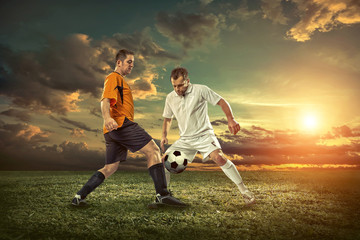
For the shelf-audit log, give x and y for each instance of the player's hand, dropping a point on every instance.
(164, 141)
(233, 126)
(110, 124)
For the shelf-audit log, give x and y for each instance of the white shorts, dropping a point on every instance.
(204, 144)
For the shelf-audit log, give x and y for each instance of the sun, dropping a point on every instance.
(310, 122)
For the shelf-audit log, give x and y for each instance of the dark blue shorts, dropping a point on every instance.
(129, 136)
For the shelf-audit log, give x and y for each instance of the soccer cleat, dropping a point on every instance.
(77, 201)
(167, 200)
(249, 197)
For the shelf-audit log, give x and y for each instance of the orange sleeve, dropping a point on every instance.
(110, 91)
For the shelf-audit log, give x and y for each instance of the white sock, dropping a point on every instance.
(167, 176)
(231, 172)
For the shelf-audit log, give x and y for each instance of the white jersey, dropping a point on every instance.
(191, 110)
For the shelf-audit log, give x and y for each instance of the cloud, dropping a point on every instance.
(96, 111)
(148, 55)
(23, 148)
(190, 30)
(272, 9)
(21, 115)
(256, 128)
(323, 16)
(254, 146)
(24, 134)
(80, 125)
(261, 146)
(343, 131)
(205, 2)
(52, 79)
(242, 12)
(219, 122)
(77, 133)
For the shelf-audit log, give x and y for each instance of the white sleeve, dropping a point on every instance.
(210, 96)
(168, 113)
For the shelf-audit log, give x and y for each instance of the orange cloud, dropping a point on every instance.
(264, 167)
(143, 86)
(78, 133)
(70, 102)
(323, 16)
(30, 132)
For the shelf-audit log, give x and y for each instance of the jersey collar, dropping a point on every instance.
(189, 89)
(119, 74)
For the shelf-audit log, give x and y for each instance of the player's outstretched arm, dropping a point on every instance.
(233, 125)
(109, 122)
(165, 130)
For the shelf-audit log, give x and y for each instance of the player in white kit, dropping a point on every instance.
(188, 104)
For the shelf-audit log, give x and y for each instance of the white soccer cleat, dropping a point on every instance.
(249, 197)
(77, 201)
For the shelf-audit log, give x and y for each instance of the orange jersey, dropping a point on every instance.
(121, 100)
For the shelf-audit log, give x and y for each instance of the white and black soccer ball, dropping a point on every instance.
(176, 161)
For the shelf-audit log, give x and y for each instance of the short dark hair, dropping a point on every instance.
(122, 54)
(179, 72)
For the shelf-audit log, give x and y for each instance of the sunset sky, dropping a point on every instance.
(289, 69)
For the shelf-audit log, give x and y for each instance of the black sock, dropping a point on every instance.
(157, 173)
(91, 184)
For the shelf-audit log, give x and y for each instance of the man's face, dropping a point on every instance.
(127, 65)
(180, 85)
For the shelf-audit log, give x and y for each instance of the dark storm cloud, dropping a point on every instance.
(76, 124)
(190, 30)
(141, 43)
(96, 111)
(46, 80)
(261, 129)
(21, 115)
(51, 79)
(278, 147)
(325, 159)
(55, 119)
(80, 125)
(22, 134)
(148, 56)
(144, 45)
(219, 122)
(22, 148)
(272, 9)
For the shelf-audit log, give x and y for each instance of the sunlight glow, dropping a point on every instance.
(310, 122)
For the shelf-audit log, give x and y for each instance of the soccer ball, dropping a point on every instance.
(175, 161)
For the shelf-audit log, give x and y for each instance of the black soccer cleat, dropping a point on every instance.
(77, 201)
(167, 200)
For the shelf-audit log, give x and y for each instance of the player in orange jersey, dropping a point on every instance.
(121, 134)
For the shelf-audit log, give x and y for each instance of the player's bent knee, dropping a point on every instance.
(219, 159)
(151, 148)
(109, 169)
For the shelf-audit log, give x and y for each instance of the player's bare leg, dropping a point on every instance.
(231, 172)
(152, 153)
(157, 173)
(109, 169)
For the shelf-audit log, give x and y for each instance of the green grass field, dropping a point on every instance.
(290, 205)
